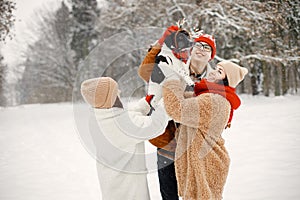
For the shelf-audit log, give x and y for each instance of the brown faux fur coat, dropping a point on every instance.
(201, 160)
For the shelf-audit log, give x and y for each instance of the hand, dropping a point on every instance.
(185, 76)
(180, 71)
(154, 90)
(141, 106)
(170, 29)
(172, 72)
(168, 69)
(172, 67)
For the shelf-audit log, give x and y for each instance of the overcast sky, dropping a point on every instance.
(23, 14)
(12, 49)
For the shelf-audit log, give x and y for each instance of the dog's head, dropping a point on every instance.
(179, 40)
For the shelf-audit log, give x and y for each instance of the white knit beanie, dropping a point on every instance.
(100, 92)
(235, 73)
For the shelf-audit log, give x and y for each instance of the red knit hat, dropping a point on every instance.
(210, 40)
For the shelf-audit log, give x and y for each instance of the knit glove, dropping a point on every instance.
(185, 76)
(175, 73)
(155, 91)
(167, 32)
(161, 73)
(169, 70)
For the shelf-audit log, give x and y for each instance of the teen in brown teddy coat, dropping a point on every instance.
(201, 159)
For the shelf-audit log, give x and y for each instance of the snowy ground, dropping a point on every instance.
(42, 158)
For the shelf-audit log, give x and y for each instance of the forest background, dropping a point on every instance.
(79, 39)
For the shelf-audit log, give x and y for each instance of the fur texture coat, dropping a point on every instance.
(201, 159)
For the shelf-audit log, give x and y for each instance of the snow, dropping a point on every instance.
(42, 156)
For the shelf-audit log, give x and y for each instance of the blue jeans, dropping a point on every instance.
(167, 178)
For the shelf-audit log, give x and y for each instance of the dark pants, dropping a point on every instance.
(167, 178)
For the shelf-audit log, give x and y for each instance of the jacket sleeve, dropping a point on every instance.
(145, 69)
(137, 125)
(193, 112)
(165, 138)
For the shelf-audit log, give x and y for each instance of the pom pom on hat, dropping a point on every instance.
(100, 92)
(235, 73)
(210, 40)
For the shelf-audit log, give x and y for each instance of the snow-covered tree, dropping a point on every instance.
(257, 34)
(2, 81)
(260, 35)
(84, 13)
(49, 68)
(7, 18)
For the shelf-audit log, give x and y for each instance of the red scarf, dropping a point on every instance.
(226, 91)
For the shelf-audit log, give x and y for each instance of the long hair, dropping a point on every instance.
(223, 82)
(118, 103)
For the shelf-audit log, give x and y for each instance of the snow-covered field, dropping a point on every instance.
(42, 158)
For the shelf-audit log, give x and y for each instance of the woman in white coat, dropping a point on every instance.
(119, 137)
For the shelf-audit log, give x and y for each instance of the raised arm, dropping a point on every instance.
(145, 69)
(195, 112)
(136, 124)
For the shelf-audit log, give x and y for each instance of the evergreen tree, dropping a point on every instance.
(84, 14)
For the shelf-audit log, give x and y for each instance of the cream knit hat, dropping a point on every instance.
(100, 92)
(235, 73)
